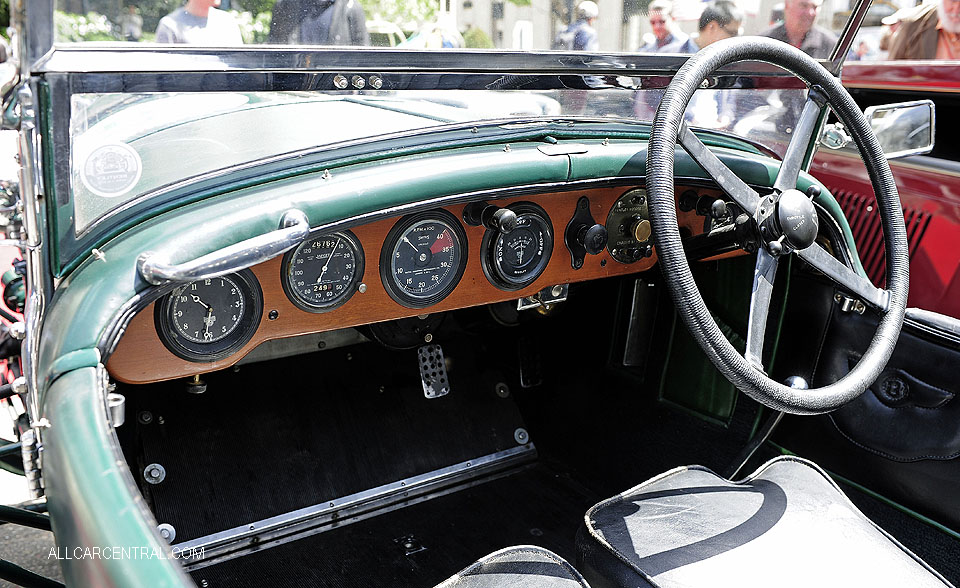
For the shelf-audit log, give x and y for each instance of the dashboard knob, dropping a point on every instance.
(641, 230)
(593, 239)
(499, 219)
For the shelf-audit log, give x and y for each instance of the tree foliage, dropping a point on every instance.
(409, 15)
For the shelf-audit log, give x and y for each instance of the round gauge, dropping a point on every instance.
(628, 225)
(514, 260)
(423, 258)
(323, 272)
(209, 319)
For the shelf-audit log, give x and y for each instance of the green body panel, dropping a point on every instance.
(92, 497)
(74, 360)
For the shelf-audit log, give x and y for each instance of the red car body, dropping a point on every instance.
(929, 186)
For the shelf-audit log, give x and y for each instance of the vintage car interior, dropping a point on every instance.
(451, 352)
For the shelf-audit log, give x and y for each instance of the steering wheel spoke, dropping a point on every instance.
(819, 258)
(797, 149)
(763, 276)
(729, 182)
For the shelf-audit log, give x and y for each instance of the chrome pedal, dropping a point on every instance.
(433, 371)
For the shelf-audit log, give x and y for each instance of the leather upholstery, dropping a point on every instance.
(516, 567)
(788, 524)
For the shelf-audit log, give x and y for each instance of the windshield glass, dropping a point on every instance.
(649, 26)
(126, 146)
(130, 146)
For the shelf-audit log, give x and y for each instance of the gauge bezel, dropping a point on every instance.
(392, 242)
(492, 270)
(294, 296)
(216, 350)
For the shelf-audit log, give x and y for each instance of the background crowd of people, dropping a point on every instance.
(926, 31)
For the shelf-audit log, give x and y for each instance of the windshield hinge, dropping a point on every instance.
(11, 116)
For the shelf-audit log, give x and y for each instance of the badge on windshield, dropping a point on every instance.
(111, 170)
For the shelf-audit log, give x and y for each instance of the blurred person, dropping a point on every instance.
(889, 25)
(666, 38)
(799, 29)
(319, 22)
(580, 36)
(131, 24)
(719, 20)
(200, 22)
(929, 31)
(861, 53)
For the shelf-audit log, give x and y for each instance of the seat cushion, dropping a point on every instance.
(523, 565)
(788, 524)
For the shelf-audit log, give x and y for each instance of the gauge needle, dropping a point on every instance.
(520, 253)
(200, 302)
(207, 322)
(407, 241)
(323, 270)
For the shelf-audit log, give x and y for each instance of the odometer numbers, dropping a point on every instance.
(514, 260)
(423, 258)
(323, 272)
(211, 318)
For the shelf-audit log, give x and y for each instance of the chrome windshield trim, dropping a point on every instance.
(118, 61)
(37, 275)
(850, 29)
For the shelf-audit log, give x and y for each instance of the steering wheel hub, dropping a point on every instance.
(797, 219)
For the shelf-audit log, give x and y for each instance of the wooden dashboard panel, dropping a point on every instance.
(140, 356)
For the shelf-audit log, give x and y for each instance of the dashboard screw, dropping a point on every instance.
(273, 315)
(521, 436)
(167, 532)
(362, 288)
(145, 417)
(502, 390)
(428, 337)
(154, 473)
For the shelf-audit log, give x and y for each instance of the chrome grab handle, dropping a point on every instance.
(294, 228)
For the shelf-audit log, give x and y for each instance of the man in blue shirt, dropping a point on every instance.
(580, 36)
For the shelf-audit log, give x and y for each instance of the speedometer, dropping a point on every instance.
(423, 258)
(323, 272)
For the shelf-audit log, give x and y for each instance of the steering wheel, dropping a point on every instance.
(785, 222)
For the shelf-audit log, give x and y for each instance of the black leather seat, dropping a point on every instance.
(788, 524)
(523, 565)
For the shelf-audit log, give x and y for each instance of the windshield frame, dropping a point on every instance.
(58, 71)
